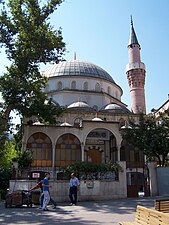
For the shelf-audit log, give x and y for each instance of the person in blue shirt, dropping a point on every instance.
(45, 187)
(74, 186)
(39, 185)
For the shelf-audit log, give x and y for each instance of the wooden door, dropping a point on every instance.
(94, 155)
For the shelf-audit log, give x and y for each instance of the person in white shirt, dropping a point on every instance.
(74, 186)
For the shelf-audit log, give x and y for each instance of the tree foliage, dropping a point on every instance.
(25, 159)
(5, 176)
(150, 136)
(29, 40)
(7, 153)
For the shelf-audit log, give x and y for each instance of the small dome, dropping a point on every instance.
(65, 124)
(77, 68)
(38, 123)
(97, 119)
(78, 105)
(116, 108)
(52, 101)
(112, 106)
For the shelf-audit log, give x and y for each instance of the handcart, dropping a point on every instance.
(18, 198)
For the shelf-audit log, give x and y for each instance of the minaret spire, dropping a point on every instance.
(131, 20)
(133, 37)
(135, 71)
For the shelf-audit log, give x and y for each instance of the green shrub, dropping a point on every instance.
(89, 170)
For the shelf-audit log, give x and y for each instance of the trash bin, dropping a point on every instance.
(35, 197)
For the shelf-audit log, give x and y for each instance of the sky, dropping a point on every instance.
(98, 31)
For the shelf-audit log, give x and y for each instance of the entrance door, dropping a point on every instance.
(135, 184)
(94, 155)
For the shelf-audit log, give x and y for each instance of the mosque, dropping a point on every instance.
(90, 128)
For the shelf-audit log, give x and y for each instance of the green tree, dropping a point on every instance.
(7, 154)
(151, 137)
(29, 40)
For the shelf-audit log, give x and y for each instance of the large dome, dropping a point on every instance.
(77, 68)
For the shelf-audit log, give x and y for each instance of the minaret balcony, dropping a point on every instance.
(132, 66)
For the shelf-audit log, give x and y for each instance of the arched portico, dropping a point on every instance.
(100, 146)
(41, 146)
(67, 150)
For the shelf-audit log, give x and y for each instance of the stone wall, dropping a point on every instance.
(89, 189)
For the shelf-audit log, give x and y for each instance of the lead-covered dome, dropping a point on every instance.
(77, 68)
(115, 108)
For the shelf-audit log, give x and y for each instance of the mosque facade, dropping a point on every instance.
(90, 127)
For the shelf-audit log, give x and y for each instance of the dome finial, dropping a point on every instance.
(131, 20)
(74, 55)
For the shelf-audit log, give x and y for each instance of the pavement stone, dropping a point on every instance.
(89, 212)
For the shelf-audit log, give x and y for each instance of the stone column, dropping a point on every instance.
(122, 179)
(118, 152)
(82, 151)
(152, 166)
(53, 162)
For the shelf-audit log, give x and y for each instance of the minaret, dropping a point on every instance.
(135, 71)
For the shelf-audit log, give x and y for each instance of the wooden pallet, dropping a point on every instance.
(161, 204)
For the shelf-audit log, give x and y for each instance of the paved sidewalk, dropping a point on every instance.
(93, 213)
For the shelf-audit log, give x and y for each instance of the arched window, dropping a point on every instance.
(95, 107)
(109, 90)
(59, 85)
(68, 150)
(85, 86)
(41, 146)
(97, 87)
(73, 85)
(121, 122)
(78, 122)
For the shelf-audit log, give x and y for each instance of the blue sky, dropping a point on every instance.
(98, 31)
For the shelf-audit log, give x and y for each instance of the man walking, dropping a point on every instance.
(39, 185)
(74, 187)
(45, 186)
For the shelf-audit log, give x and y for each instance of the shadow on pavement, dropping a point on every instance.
(84, 213)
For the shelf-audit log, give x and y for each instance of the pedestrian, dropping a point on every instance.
(45, 186)
(39, 185)
(74, 186)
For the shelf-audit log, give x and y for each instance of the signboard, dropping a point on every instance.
(99, 134)
(35, 175)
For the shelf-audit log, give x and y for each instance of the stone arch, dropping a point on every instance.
(68, 150)
(41, 146)
(101, 146)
